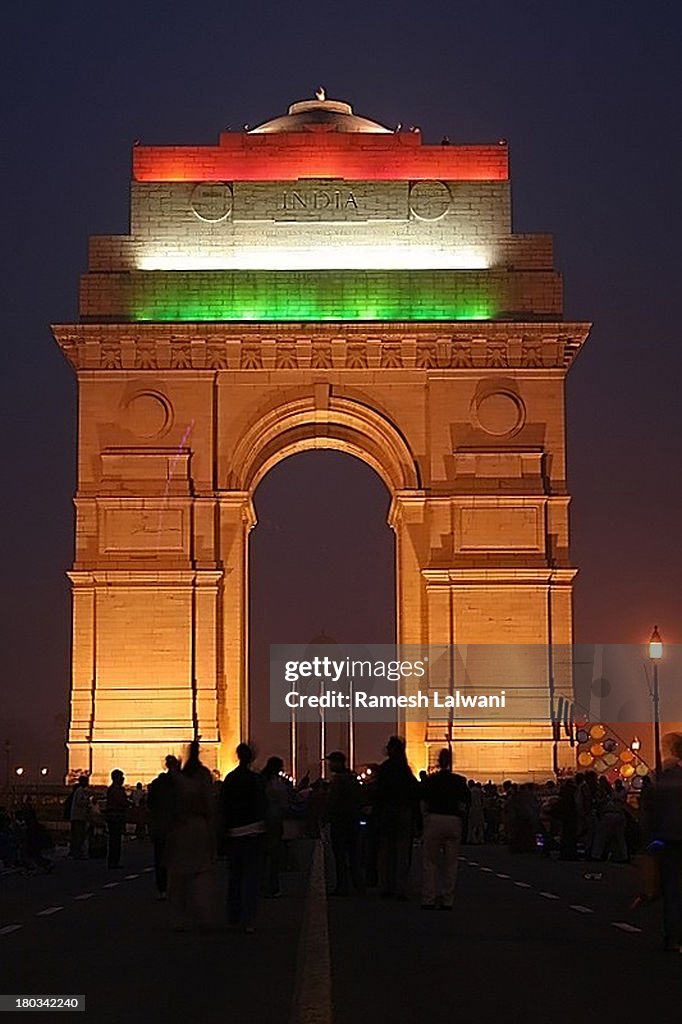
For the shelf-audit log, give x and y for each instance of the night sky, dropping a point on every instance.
(587, 93)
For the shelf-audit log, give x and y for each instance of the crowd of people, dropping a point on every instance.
(370, 825)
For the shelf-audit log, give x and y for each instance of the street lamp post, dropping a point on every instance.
(655, 655)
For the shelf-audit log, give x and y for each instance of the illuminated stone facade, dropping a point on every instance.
(319, 282)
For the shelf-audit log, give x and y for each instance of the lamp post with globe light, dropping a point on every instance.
(655, 655)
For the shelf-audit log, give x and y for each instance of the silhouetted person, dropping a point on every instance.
(78, 816)
(243, 805)
(474, 819)
(8, 846)
(342, 811)
(191, 848)
(523, 818)
(115, 813)
(662, 805)
(35, 839)
(397, 811)
(161, 804)
(138, 801)
(610, 830)
(565, 812)
(445, 798)
(277, 807)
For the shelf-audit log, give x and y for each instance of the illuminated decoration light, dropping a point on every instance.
(298, 295)
(321, 257)
(323, 295)
(292, 155)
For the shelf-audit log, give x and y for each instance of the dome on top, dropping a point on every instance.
(320, 114)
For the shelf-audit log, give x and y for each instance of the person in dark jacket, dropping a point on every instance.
(277, 801)
(445, 801)
(662, 806)
(244, 809)
(161, 804)
(396, 809)
(342, 811)
(115, 813)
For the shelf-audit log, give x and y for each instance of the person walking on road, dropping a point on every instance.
(445, 801)
(191, 847)
(115, 813)
(244, 809)
(161, 806)
(662, 805)
(277, 807)
(342, 812)
(78, 815)
(397, 813)
(475, 819)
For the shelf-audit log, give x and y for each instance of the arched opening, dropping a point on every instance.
(322, 560)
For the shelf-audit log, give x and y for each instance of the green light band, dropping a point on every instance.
(268, 295)
(318, 295)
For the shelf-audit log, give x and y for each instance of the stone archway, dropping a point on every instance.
(285, 289)
(281, 427)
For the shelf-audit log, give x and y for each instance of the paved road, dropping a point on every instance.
(529, 941)
(103, 933)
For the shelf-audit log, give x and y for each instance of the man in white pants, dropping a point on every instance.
(445, 799)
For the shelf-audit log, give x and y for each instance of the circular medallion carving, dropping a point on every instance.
(212, 201)
(500, 413)
(148, 414)
(430, 200)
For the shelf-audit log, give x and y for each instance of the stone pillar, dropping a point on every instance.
(236, 519)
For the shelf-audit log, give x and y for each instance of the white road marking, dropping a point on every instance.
(146, 870)
(625, 927)
(10, 928)
(111, 885)
(132, 876)
(501, 874)
(487, 870)
(523, 885)
(548, 895)
(84, 896)
(581, 909)
(48, 911)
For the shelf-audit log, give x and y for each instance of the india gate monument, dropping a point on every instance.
(319, 281)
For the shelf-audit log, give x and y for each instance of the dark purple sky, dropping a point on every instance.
(588, 96)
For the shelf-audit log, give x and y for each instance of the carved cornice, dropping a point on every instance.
(334, 346)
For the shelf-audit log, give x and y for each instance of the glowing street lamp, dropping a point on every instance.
(19, 771)
(44, 771)
(655, 655)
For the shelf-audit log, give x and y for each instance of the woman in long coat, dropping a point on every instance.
(192, 847)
